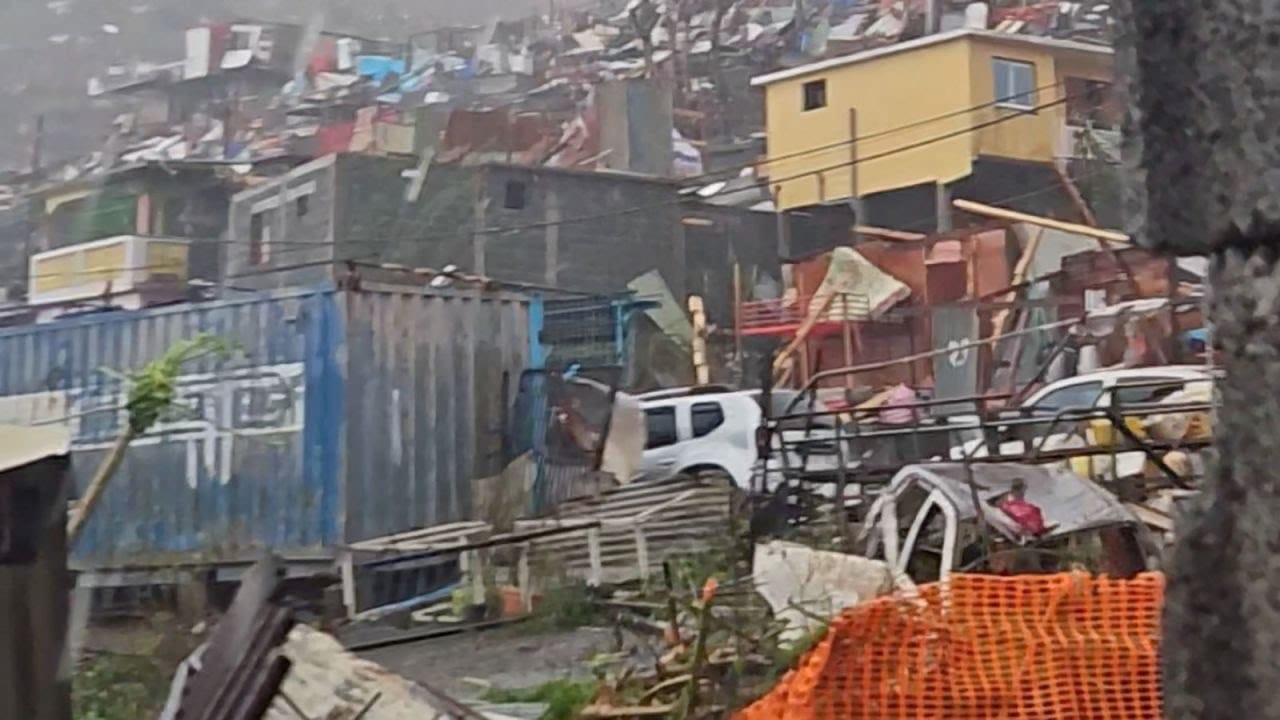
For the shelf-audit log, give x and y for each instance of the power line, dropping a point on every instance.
(923, 222)
(495, 230)
(872, 136)
(361, 260)
(757, 185)
(914, 146)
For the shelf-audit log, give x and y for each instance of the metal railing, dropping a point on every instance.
(771, 316)
(850, 447)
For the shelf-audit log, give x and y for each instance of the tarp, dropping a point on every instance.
(624, 446)
(377, 67)
(803, 585)
(22, 445)
(862, 290)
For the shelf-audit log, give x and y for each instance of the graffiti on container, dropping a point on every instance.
(210, 414)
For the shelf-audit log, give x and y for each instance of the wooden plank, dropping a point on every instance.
(1073, 192)
(697, 312)
(606, 711)
(450, 531)
(737, 313)
(593, 549)
(887, 234)
(1001, 318)
(1015, 216)
(802, 335)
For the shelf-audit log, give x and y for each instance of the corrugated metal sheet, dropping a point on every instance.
(676, 518)
(428, 378)
(238, 469)
(955, 374)
(344, 415)
(326, 681)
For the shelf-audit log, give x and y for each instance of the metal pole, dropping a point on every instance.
(780, 220)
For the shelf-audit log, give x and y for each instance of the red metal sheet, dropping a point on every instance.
(990, 262)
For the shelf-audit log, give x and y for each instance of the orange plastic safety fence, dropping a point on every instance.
(980, 647)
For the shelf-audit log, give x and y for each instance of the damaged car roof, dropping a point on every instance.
(1069, 502)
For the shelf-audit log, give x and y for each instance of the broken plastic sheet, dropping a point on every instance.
(1178, 426)
(624, 446)
(377, 67)
(806, 587)
(1104, 321)
(871, 291)
(669, 315)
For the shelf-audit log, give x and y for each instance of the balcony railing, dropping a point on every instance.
(787, 315)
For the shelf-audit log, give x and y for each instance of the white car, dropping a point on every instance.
(712, 430)
(1101, 389)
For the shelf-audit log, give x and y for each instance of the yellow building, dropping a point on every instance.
(923, 112)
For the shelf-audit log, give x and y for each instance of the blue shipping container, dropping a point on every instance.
(344, 415)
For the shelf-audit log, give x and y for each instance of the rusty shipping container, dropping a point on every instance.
(343, 415)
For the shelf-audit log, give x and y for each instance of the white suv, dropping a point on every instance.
(692, 431)
(712, 430)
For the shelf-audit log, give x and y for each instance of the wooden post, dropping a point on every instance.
(346, 561)
(593, 554)
(737, 317)
(1001, 318)
(847, 328)
(780, 362)
(802, 360)
(478, 237)
(642, 551)
(702, 374)
(522, 577)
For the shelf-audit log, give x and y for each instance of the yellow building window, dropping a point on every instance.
(815, 95)
(1015, 83)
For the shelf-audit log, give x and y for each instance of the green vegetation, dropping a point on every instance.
(566, 607)
(118, 687)
(565, 698)
(786, 656)
(152, 392)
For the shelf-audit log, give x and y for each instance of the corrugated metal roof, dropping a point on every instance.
(22, 445)
(926, 41)
(675, 517)
(326, 681)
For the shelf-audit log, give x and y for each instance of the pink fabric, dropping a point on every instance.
(900, 395)
(1028, 516)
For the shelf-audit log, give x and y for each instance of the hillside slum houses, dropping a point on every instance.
(483, 285)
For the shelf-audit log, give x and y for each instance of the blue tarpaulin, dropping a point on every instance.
(378, 67)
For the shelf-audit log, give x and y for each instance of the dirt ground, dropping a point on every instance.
(509, 657)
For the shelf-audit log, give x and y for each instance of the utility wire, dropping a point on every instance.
(924, 222)
(363, 260)
(871, 136)
(759, 183)
(764, 183)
